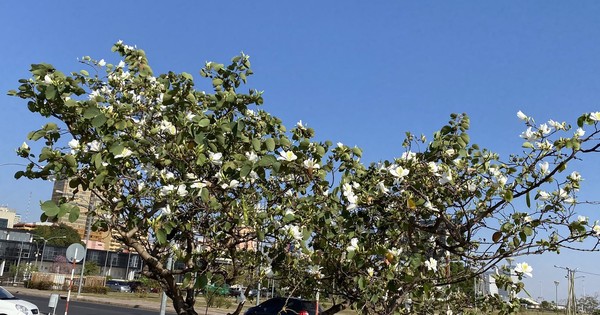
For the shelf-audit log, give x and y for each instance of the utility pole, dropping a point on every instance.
(571, 299)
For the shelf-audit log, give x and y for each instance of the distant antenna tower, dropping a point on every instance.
(27, 209)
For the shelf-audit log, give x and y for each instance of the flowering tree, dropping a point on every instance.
(228, 191)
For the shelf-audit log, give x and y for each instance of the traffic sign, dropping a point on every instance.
(75, 252)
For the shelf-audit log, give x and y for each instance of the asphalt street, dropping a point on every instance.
(84, 308)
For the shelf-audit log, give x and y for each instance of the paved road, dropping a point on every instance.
(84, 308)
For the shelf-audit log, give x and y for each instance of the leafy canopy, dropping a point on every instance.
(230, 192)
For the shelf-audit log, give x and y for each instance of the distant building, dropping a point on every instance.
(101, 240)
(8, 217)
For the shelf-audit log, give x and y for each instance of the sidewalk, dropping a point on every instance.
(132, 303)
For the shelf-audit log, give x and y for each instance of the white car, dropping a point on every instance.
(11, 305)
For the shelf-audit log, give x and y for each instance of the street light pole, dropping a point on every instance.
(556, 294)
(44, 247)
(87, 239)
(19, 260)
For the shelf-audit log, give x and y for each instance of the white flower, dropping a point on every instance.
(167, 126)
(311, 164)
(429, 206)
(47, 79)
(582, 219)
(370, 271)
(595, 116)
(165, 190)
(528, 219)
(529, 135)
(289, 211)
(596, 229)
(522, 116)
(94, 146)
(121, 64)
(542, 195)
(251, 156)
(198, 185)
(24, 146)
(300, 125)
(431, 264)
(287, 156)
(432, 167)
(125, 153)
(166, 210)
(215, 158)
(446, 177)
(167, 175)
(546, 145)
(74, 144)
(398, 171)
(293, 231)
(340, 145)
(102, 63)
(191, 176)
(524, 268)
(579, 132)
(381, 187)
(408, 156)
(543, 167)
(562, 194)
(352, 198)
(268, 271)
(545, 129)
(232, 184)
(315, 271)
(575, 176)
(353, 245)
(182, 190)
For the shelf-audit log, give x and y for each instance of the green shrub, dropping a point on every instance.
(95, 289)
(40, 285)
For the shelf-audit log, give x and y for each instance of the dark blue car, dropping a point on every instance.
(284, 306)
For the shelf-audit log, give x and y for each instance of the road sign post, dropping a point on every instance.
(75, 253)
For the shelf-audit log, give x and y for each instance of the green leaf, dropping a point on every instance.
(117, 149)
(508, 195)
(528, 200)
(267, 160)
(91, 112)
(99, 120)
(246, 169)
(85, 73)
(204, 194)
(204, 122)
(361, 283)
(187, 76)
(70, 159)
(256, 144)
(50, 92)
(270, 144)
(74, 212)
(50, 208)
(161, 236)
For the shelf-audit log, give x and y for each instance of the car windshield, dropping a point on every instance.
(5, 295)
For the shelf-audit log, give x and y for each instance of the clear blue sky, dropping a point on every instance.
(359, 72)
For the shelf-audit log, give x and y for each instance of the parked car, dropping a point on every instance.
(11, 305)
(118, 286)
(284, 306)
